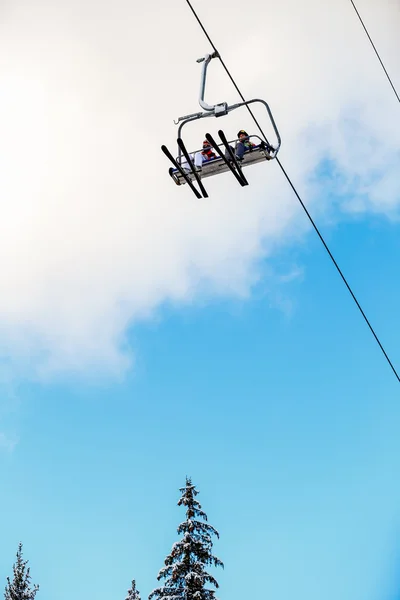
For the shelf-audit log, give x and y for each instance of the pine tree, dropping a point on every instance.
(133, 593)
(184, 571)
(20, 587)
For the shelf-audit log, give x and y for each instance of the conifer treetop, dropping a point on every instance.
(185, 567)
(133, 593)
(20, 587)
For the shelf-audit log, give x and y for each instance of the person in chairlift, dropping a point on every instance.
(201, 157)
(242, 145)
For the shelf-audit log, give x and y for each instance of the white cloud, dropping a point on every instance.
(94, 236)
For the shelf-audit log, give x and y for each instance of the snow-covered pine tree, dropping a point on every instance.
(185, 567)
(133, 593)
(20, 587)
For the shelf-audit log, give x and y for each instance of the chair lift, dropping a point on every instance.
(184, 169)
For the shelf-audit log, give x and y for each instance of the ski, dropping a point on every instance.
(181, 171)
(227, 162)
(192, 167)
(232, 155)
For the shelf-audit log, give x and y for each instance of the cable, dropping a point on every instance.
(376, 51)
(298, 196)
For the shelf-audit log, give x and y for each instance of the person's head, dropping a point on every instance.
(206, 145)
(242, 134)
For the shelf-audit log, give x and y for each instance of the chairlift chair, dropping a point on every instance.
(184, 171)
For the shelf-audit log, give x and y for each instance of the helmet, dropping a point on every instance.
(206, 144)
(242, 132)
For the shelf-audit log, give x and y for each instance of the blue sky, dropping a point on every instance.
(288, 425)
(146, 336)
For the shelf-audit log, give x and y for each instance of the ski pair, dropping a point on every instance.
(232, 162)
(184, 174)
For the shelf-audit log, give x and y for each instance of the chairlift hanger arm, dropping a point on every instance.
(222, 108)
(217, 109)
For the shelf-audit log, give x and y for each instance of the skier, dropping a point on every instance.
(201, 157)
(242, 145)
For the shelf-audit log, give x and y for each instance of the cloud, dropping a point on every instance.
(94, 236)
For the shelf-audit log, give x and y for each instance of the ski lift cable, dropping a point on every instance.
(298, 197)
(376, 51)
